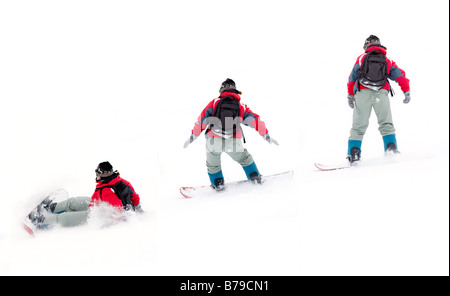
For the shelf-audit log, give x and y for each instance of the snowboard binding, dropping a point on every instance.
(37, 215)
(218, 184)
(355, 156)
(391, 149)
(256, 178)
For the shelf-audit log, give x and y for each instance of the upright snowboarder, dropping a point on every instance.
(368, 87)
(111, 190)
(222, 118)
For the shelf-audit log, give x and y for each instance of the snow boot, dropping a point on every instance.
(391, 148)
(217, 180)
(252, 173)
(218, 184)
(355, 156)
(390, 144)
(255, 178)
(37, 220)
(37, 215)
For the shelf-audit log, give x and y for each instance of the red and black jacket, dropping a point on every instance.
(116, 192)
(247, 117)
(394, 72)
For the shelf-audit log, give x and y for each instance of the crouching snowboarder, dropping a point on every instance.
(368, 87)
(222, 118)
(114, 190)
(111, 190)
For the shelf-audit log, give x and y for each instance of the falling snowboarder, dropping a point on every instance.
(222, 119)
(57, 209)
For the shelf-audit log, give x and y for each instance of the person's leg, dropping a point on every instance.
(382, 108)
(361, 116)
(213, 162)
(74, 204)
(235, 149)
(71, 212)
(66, 219)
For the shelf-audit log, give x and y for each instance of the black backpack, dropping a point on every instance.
(123, 192)
(373, 73)
(226, 117)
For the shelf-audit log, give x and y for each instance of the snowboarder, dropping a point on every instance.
(368, 87)
(114, 190)
(111, 189)
(222, 118)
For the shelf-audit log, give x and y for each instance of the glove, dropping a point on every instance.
(351, 101)
(138, 208)
(190, 140)
(407, 97)
(270, 140)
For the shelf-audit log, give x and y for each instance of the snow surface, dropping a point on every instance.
(87, 81)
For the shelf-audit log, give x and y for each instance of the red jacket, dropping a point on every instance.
(394, 72)
(104, 192)
(248, 118)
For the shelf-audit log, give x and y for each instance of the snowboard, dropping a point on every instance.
(207, 190)
(389, 157)
(57, 195)
(324, 167)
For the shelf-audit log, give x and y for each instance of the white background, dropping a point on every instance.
(82, 82)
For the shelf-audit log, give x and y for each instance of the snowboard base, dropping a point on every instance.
(324, 167)
(28, 229)
(190, 192)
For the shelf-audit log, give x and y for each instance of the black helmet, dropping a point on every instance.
(371, 40)
(227, 85)
(103, 170)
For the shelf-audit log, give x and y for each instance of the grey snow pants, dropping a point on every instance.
(233, 147)
(71, 212)
(365, 100)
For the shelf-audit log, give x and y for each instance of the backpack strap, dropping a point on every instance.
(391, 90)
(122, 191)
(242, 132)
